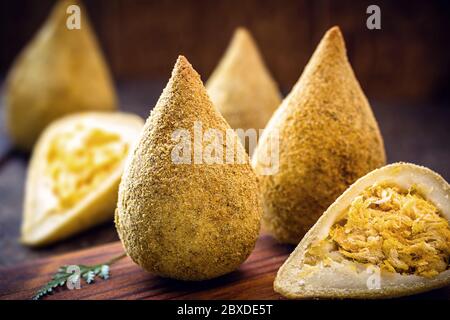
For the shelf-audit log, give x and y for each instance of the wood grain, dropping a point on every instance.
(20, 279)
(412, 133)
(253, 280)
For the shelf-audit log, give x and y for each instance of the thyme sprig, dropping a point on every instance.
(64, 276)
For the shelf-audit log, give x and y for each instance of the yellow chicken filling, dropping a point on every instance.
(397, 230)
(79, 159)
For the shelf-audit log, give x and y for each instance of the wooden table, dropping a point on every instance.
(416, 133)
(253, 280)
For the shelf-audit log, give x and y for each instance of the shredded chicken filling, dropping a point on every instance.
(396, 230)
(79, 159)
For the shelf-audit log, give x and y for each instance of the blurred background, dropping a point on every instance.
(403, 69)
(407, 60)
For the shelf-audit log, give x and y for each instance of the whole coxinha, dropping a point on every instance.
(386, 230)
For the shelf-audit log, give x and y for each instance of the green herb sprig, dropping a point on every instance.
(88, 273)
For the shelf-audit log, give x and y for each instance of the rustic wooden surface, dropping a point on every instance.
(413, 133)
(253, 280)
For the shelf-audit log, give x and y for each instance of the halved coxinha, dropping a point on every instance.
(387, 235)
(74, 174)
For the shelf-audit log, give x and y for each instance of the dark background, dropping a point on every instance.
(408, 60)
(403, 69)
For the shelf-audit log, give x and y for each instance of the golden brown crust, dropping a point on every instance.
(288, 276)
(328, 139)
(341, 294)
(241, 86)
(185, 221)
(61, 71)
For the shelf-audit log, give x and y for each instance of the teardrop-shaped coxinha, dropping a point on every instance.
(59, 72)
(179, 220)
(387, 235)
(328, 138)
(241, 86)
